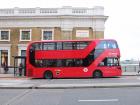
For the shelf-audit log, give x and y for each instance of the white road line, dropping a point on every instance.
(104, 100)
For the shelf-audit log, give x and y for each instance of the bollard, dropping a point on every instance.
(125, 68)
(135, 68)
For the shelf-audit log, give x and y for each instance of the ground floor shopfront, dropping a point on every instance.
(6, 53)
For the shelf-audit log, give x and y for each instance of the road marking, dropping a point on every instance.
(17, 98)
(104, 100)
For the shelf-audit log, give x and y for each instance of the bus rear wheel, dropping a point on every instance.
(48, 75)
(97, 74)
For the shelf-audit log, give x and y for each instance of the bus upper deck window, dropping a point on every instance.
(102, 45)
(112, 44)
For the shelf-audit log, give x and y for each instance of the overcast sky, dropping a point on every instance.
(123, 23)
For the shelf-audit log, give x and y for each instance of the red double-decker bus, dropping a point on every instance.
(73, 59)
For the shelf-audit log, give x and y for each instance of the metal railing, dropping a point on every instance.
(12, 70)
(130, 68)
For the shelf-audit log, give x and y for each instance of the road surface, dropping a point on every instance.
(87, 96)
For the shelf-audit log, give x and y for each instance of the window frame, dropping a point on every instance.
(21, 30)
(42, 36)
(8, 34)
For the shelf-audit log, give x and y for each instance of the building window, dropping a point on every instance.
(82, 33)
(25, 35)
(4, 35)
(47, 34)
(4, 57)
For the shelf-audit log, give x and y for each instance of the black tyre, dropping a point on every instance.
(97, 74)
(48, 75)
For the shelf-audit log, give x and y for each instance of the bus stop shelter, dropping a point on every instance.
(17, 61)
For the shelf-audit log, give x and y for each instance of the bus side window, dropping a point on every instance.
(112, 61)
(59, 45)
(109, 62)
(49, 46)
(101, 64)
(37, 46)
(116, 61)
(82, 45)
(67, 45)
(74, 45)
(78, 62)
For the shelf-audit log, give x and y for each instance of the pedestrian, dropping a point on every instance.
(5, 67)
(20, 69)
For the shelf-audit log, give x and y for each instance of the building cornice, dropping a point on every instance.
(66, 17)
(66, 11)
(52, 17)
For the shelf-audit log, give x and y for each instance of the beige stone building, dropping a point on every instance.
(19, 26)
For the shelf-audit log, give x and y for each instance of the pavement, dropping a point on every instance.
(9, 81)
(130, 74)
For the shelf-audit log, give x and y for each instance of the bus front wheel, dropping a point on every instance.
(48, 75)
(97, 74)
